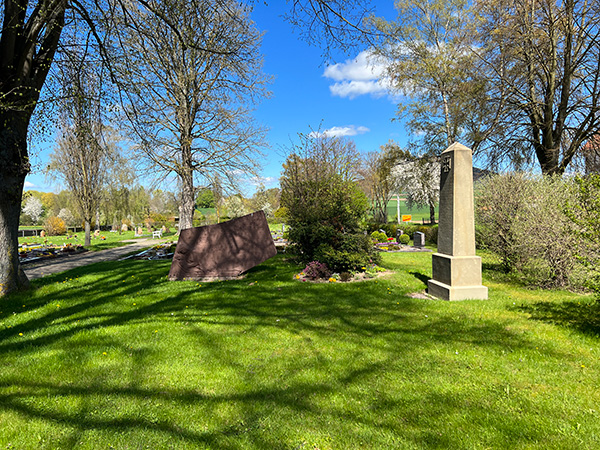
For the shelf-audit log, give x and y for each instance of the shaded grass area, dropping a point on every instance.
(114, 355)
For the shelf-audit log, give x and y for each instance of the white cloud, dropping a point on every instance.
(351, 130)
(353, 89)
(364, 67)
(265, 181)
(29, 185)
(363, 75)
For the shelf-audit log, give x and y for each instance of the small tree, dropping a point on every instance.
(324, 203)
(205, 199)
(67, 216)
(33, 208)
(420, 178)
(234, 206)
(379, 180)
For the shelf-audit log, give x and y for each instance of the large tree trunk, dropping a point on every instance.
(15, 166)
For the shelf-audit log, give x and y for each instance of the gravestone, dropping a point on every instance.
(222, 251)
(456, 269)
(419, 239)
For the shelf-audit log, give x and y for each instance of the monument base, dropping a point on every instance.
(457, 278)
(446, 292)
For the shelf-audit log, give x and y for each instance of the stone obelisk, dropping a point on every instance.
(456, 269)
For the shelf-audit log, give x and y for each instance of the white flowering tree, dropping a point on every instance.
(420, 178)
(33, 208)
(234, 206)
(66, 215)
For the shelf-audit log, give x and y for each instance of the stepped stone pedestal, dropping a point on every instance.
(456, 269)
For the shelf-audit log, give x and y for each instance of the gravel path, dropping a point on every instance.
(52, 266)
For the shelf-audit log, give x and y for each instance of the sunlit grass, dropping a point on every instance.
(105, 241)
(114, 355)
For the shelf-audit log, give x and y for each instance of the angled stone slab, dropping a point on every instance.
(224, 250)
(456, 268)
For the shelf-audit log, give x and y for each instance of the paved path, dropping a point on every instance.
(52, 266)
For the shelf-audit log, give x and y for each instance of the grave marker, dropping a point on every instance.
(456, 269)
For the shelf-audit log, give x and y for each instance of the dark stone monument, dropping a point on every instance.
(418, 239)
(222, 251)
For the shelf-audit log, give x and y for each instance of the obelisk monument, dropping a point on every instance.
(456, 269)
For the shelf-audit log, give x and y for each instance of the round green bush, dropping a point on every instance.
(378, 236)
(404, 239)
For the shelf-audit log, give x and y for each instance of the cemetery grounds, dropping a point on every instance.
(113, 355)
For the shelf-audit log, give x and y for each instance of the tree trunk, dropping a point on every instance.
(186, 209)
(432, 213)
(15, 166)
(88, 234)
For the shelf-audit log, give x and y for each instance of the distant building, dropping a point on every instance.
(591, 153)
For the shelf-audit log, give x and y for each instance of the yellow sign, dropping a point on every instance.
(406, 218)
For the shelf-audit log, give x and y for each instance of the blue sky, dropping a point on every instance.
(342, 97)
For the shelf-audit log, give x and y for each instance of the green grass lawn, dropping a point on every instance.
(418, 214)
(115, 356)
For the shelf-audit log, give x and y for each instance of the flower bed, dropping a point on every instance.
(317, 272)
(35, 252)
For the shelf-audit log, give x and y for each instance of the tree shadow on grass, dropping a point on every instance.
(581, 316)
(307, 323)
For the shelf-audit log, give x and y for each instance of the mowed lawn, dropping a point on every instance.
(115, 356)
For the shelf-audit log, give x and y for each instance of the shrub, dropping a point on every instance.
(324, 205)
(432, 234)
(315, 270)
(378, 236)
(408, 228)
(281, 214)
(55, 226)
(350, 253)
(404, 239)
(345, 276)
(522, 219)
(583, 209)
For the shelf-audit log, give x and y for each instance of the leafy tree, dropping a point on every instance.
(190, 102)
(205, 199)
(33, 208)
(234, 205)
(420, 178)
(67, 216)
(379, 180)
(324, 204)
(266, 200)
(80, 158)
(427, 50)
(544, 57)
